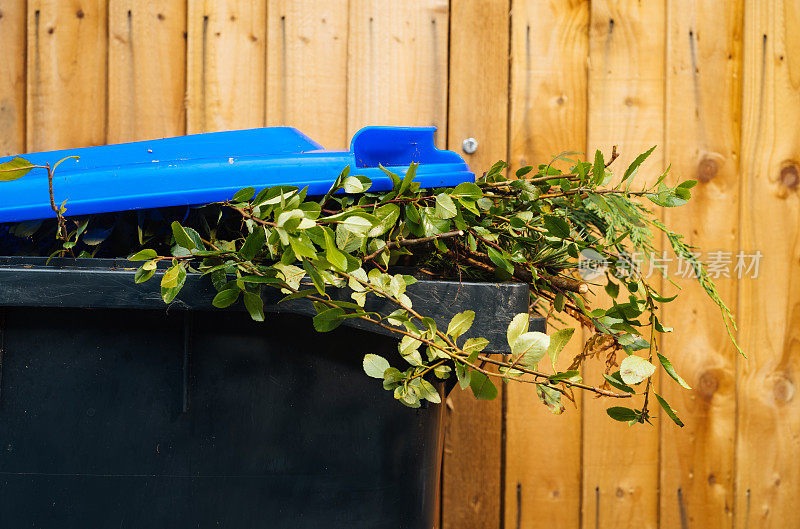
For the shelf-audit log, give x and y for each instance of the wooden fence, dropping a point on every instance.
(716, 84)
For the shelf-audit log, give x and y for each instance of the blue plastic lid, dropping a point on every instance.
(211, 167)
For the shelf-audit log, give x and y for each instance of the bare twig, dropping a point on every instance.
(412, 242)
(62, 225)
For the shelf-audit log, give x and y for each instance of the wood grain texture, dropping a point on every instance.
(768, 443)
(478, 91)
(625, 108)
(478, 80)
(226, 86)
(548, 115)
(66, 84)
(397, 68)
(702, 142)
(307, 68)
(549, 48)
(12, 77)
(146, 69)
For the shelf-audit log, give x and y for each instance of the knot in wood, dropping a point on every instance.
(708, 384)
(790, 176)
(707, 170)
(783, 390)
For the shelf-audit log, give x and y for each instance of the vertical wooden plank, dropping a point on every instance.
(549, 47)
(397, 68)
(478, 89)
(226, 85)
(66, 88)
(549, 44)
(702, 140)
(478, 84)
(768, 442)
(12, 77)
(146, 69)
(626, 108)
(307, 68)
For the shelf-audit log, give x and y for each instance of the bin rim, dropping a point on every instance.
(95, 283)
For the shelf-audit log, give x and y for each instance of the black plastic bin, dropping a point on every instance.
(116, 411)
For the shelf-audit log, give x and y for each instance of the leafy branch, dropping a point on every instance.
(537, 228)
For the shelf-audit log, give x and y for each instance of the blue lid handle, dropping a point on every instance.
(398, 146)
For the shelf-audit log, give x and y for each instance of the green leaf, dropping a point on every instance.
(482, 387)
(522, 171)
(556, 226)
(467, 190)
(634, 369)
(143, 255)
(170, 291)
(566, 375)
(226, 298)
(599, 168)
(346, 240)
(375, 366)
(550, 397)
(558, 340)
(302, 246)
(431, 224)
(408, 345)
(530, 347)
(328, 319)
(622, 414)
(428, 392)
(559, 301)
(62, 160)
(392, 377)
(445, 207)
(254, 242)
(518, 326)
(407, 396)
(669, 410)
(244, 195)
(254, 305)
(306, 292)
(670, 369)
(291, 274)
(501, 261)
(387, 217)
(442, 371)
(337, 184)
(612, 289)
(356, 184)
(15, 168)
(333, 255)
(358, 224)
(182, 238)
(617, 382)
(170, 277)
(460, 323)
(143, 274)
(475, 345)
(316, 277)
(463, 374)
(408, 178)
(634, 166)
(260, 279)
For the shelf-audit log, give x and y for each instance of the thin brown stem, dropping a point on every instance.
(412, 242)
(62, 224)
(250, 216)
